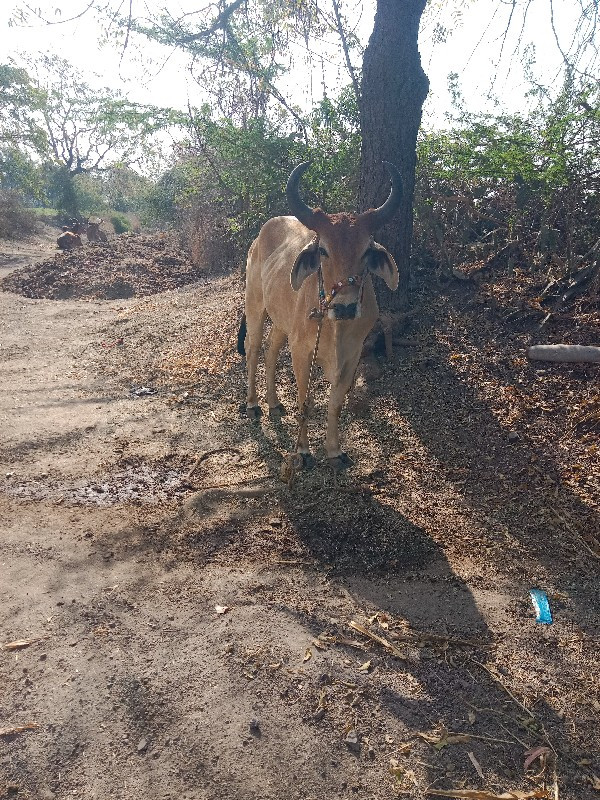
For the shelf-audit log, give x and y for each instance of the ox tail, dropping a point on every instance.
(241, 339)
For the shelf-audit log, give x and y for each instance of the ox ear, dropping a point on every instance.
(306, 263)
(382, 263)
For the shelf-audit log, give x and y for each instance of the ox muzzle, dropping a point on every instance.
(343, 311)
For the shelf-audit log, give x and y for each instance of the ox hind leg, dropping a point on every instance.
(252, 345)
(275, 341)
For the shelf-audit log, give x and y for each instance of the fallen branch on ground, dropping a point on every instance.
(564, 353)
(379, 639)
(208, 454)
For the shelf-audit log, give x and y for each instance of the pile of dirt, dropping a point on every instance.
(130, 265)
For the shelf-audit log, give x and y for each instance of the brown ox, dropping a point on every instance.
(68, 240)
(94, 233)
(306, 266)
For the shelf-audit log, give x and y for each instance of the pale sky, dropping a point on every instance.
(471, 50)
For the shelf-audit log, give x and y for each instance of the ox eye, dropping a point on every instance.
(323, 252)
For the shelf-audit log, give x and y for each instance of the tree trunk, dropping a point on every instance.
(394, 88)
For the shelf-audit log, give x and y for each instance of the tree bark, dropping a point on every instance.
(394, 88)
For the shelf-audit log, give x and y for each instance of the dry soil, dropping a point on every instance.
(178, 623)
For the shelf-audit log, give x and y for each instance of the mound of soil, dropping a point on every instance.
(130, 265)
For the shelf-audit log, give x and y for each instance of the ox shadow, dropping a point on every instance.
(391, 565)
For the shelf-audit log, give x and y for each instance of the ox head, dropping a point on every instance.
(343, 246)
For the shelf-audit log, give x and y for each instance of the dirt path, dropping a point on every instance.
(190, 621)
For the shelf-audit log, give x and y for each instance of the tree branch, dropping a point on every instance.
(345, 48)
(219, 22)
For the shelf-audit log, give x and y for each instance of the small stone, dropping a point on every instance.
(513, 436)
(352, 741)
(142, 745)
(275, 522)
(255, 727)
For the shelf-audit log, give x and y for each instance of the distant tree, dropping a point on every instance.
(50, 112)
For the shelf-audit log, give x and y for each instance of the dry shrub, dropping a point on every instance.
(16, 222)
(210, 241)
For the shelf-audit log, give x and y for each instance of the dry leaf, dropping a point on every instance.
(535, 752)
(319, 644)
(365, 667)
(18, 645)
(443, 738)
(307, 654)
(595, 781)
(476, 764)
(221, 609)
(29, 726)
(410, 775)
(479, 794)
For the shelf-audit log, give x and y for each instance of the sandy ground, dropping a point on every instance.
(177, 623)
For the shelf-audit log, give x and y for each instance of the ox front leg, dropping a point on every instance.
(253, 344)
(337, 459)
(301, 366)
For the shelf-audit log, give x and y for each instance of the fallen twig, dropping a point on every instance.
(506, 689)
(482, 794)
(28, 726)
(20, 644)
(379, 639)
(208, 454)
(434, 637)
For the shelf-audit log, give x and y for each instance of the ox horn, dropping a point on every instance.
(297, 206)
(380, 216)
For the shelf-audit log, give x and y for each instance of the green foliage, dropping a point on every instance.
(16, 222)
(19, 172)
(494, 180)
(123, 188)
(229, 178)
(120, 223)
(50, 116)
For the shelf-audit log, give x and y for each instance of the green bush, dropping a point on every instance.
(120, 223)
(16, 221)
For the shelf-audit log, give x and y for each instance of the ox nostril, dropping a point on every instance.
(344, 311)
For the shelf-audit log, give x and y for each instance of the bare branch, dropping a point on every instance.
(219, 22)
(345, 48)
(37, 12)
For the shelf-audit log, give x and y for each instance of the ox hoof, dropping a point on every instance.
(277, 412)
(341, 462)
(254, 412)
(308, 461)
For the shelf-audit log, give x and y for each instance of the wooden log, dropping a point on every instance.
(565, 353)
